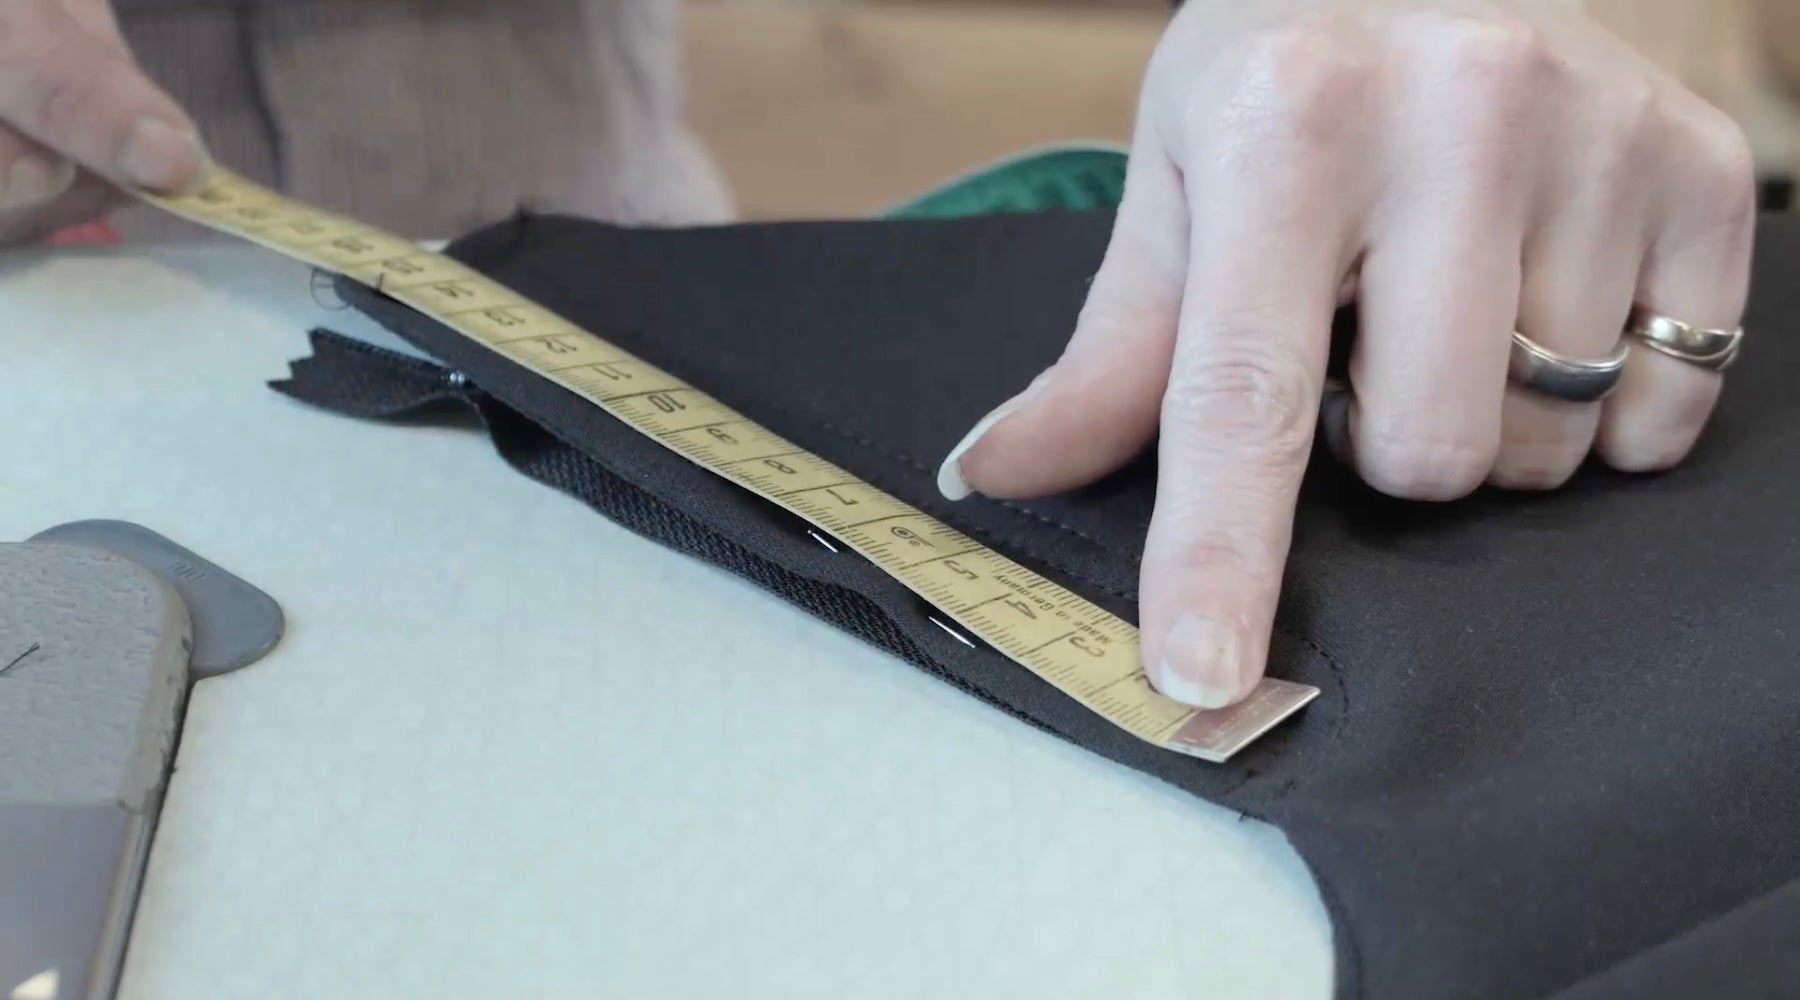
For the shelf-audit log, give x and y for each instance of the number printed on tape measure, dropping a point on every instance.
(1086, 652)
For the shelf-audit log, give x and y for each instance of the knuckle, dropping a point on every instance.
(1494, 50)
(1223, 551)
(1401, 461)
(1294, 84)
(1488, 79)
(1625, 115)
(1619, 125)
(1143, 254)
(55, 97)
(1123, 303)
(1728, 171)
(1251, 397)
(1631, 107)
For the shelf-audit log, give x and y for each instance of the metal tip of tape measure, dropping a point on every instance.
(1218, 735)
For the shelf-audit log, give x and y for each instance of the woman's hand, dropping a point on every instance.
(1462, 170)
(77, 117)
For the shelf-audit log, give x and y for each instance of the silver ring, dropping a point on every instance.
(1713, 350)
(1573, 380)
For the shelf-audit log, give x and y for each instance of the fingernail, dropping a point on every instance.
(163, 157)
(33, 180)
(950, 479)
(1202, 663)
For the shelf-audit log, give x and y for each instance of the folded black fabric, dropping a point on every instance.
(1556, 751)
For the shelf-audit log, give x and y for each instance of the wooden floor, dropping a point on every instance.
(839, 107)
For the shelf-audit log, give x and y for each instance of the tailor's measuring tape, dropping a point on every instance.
(1086, 652)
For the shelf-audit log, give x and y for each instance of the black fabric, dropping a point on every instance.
(1748, 953)
(1555, 754)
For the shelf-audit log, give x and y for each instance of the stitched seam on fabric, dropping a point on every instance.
(1249, 775)
(1045, 518)
(822, 422)
(852, 436)
(1033, 551)
(1129, 593)
(1337, 674)
(918, 466)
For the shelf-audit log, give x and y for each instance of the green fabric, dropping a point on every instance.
(1057, 177)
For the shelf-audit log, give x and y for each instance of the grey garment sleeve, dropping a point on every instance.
(429, 117)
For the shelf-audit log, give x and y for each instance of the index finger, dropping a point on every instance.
(1270, 244)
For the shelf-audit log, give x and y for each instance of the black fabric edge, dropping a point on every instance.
(414, 387)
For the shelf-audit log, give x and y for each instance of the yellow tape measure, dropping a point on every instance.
(1087, 653)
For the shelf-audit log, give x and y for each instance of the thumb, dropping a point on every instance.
(1098, 406)
(76, 90)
